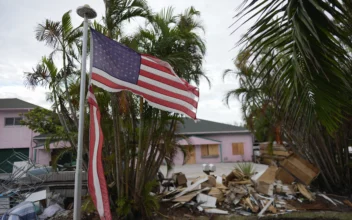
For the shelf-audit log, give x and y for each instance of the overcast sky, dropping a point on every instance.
(19, 50)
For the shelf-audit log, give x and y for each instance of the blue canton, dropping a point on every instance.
(115, 59)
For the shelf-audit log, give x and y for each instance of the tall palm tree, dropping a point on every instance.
(175, 39)
(306, 34)
(66, 40)
(117, 12)
(47, 74)
(302, 49)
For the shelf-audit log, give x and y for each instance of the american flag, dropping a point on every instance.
(116, 67)
(96, 179)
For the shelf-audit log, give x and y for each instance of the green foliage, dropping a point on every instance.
(300, 41)
(137, 137)
(124, 206)
(247, 168)
(175, 39)
(42, 121)
(295, 80)
(88, 205)
(150, 202)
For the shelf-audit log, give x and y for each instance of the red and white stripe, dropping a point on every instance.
(158, 84)
(96, 179)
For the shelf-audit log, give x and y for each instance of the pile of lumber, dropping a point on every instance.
(273, 154)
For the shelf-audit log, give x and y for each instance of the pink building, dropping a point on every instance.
(206, 141)
(212, 142)
(18, 139)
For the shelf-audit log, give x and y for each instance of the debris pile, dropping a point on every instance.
(33, 190)
(275, 191)
(273, 154)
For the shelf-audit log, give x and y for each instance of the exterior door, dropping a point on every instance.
(191, 150)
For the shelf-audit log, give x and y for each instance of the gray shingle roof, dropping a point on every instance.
(207, 127)
(42, 136)
(15, 103)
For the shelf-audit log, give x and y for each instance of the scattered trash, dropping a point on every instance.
(50, 211)
(304, 191)
(347, 202)
(265, 183)
(276, 190)
(24, 210)
(211, 182)
(206, 201)
(180, 179)
(216, 211)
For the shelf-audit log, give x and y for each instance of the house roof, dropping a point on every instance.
(201, 126)
(15, 104)
(41, 136)
(193, 140)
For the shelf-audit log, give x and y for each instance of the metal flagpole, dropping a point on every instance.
(85, 12)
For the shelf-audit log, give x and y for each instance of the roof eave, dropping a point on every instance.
(215, 132)
(11, 109)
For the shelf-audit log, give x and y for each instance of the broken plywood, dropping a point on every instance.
(300, 168)
(284, 176)
(264, 184)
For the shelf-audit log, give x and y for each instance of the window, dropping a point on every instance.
(210, 150)
(237, 149)
(13, 121)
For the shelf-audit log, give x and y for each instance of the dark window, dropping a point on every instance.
(12, 121)
(18, 121)
(9, 121)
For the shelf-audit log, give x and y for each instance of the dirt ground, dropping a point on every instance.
(320, 209)
(317, 215)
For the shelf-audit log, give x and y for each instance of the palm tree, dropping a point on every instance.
(117, 12)
(305, 34)
(302, 50)
(64, 39)
(172, 38)
(47, 74)
(175, 39)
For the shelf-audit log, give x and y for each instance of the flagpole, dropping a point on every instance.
(85, 12)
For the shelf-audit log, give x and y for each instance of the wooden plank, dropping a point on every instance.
(272, 157)
(278, 153)
(234, 149)
(300, 168)
(204, 150)
(284, 176)
(213, 149)
(267, 161)
(274, 148)
(241, 148)
(238, 148)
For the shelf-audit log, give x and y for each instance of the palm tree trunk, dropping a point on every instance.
(73, 113)
(139, 152)
(117, 143)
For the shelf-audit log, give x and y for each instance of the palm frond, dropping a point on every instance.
(49, 32)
